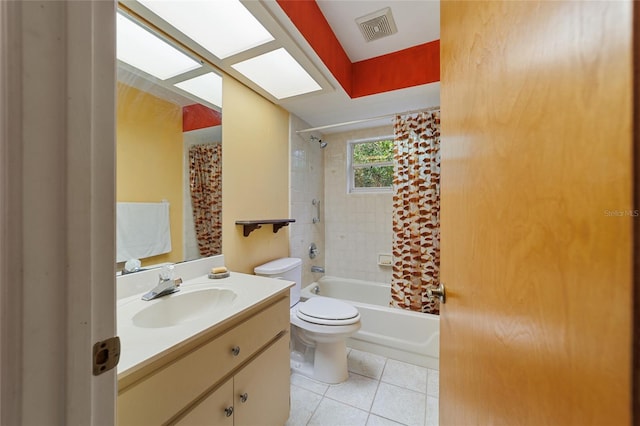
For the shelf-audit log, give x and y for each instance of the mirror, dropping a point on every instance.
(169, 149)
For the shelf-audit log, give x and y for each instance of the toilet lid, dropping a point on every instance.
(326, 310)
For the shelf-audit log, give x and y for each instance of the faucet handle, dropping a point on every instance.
(166, 273)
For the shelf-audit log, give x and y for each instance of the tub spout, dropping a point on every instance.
(317, 269)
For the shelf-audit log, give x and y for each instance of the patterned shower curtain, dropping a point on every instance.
(205, 181)
(416, 211)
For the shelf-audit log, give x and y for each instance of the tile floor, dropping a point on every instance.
(379, 392)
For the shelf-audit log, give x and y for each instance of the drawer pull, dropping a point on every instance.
(244, 397)
(235, 351)
(228, 411)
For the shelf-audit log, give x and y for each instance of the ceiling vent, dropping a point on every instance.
(377, 24)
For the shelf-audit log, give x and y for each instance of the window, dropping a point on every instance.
(370, 165)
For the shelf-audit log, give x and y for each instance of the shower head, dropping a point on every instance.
(320, 141)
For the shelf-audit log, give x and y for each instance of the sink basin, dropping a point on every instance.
(183, 307)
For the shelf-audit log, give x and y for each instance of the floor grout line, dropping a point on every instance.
(314, 411)
(368, 412)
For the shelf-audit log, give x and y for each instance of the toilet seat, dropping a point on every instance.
(327, 311)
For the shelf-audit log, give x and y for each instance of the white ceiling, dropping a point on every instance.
(418, 22)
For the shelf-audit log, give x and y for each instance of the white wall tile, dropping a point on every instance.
(358, 226)
(307, 183)
(354, 228)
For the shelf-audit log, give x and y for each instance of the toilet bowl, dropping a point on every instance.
(319, 326)
(324, 323)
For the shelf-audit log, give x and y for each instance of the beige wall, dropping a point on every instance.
(149, 158)
(255, 179)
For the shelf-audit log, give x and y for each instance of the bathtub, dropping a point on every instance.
(395, 333)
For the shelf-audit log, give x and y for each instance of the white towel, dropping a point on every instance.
(142, 230)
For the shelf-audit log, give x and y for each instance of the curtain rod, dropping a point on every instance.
(347, 123)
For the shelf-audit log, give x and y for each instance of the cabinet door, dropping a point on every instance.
(261, 389)
(213, 410)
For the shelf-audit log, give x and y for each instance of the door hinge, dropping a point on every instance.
(106, 355)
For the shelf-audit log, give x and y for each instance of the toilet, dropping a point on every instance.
(319, 326)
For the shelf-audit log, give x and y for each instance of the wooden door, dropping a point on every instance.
(537, 212)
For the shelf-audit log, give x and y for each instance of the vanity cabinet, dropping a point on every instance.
(242, 366)
(248, 397)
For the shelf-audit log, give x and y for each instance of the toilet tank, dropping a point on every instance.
(286, 268)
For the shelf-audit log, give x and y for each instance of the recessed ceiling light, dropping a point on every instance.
(278, 73)
(223, 27)
(143, 50)
(206, 86)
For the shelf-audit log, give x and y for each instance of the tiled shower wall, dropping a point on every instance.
(306, 184)
(358, 226)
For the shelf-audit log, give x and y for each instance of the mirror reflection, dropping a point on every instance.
(169, 150)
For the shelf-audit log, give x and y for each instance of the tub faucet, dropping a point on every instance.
(317, 269)
(166, 284)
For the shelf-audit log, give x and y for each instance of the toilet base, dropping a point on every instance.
(328, 365)
(320, 351)
(303, 368)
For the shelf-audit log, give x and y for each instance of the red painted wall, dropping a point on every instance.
(308, 18)
(198, 116)
(409, 67)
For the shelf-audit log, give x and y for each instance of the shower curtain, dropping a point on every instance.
(205, 182)
(416, 211)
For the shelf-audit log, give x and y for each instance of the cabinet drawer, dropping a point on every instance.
(162, 394)
(211, 411)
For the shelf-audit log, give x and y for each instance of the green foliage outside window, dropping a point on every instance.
(373, 164)
(373, 177)
(373, 152)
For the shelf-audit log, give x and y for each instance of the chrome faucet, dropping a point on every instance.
(166, 284)
(317, 269)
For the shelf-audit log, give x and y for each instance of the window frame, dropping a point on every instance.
(351, 167)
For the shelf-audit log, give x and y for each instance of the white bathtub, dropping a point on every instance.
(395, 333)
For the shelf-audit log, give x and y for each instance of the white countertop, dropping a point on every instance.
(140, 346)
